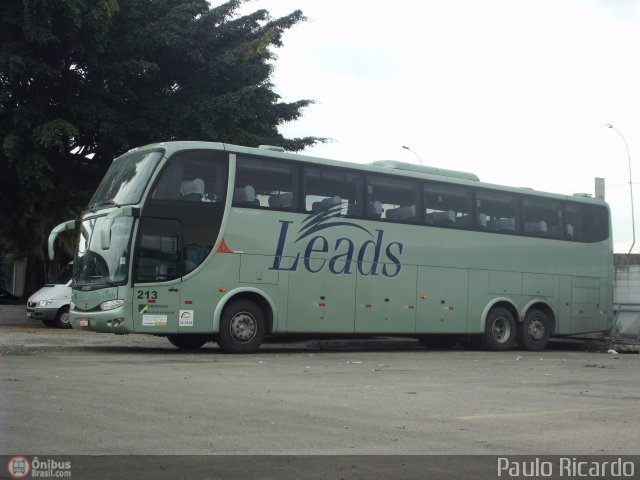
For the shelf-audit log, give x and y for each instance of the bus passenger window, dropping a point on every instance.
(447, 205)
(392, 198)
(193, 176)
(590, 223)
(542, 217)
(497, 211)
(264, 183)
(334, 190)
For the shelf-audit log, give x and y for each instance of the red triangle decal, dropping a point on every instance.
(224, 248)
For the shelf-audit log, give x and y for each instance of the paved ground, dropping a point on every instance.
(68, 392)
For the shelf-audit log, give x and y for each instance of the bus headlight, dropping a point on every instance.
(111, 304)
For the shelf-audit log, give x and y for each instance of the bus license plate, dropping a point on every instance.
(84, 322)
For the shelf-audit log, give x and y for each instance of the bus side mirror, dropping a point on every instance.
(70, 225)
(105, 231)
(105, 234)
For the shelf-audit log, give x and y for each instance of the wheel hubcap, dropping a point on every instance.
(64, 319)
(501, 330)
(243, 327)
(536, 330)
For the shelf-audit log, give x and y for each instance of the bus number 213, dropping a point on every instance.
(149, 295)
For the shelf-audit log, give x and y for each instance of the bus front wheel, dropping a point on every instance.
(242, 327)
(500, 330)
(533, 333)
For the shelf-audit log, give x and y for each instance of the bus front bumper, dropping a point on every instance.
(110, 321)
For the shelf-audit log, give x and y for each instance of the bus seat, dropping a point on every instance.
(441, 218)
(401, 213)
(331, 201)
(245, 196)
(536, 227)
(569, 230)
(326, 203)
(482, 220)
(192, 190)
(375, 209)
(281, 200)
(506, 224)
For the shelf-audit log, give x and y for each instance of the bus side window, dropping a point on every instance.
(393, 199)
(447, 205)
(157, 258)
(542, 217)
(263, 183)
(193, 176)
(586, 223)
(324, 189)
(497, 211)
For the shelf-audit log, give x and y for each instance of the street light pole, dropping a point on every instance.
(633, 218)
(407, 148)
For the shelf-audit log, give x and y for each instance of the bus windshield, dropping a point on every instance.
(125, 180)
(95, 266)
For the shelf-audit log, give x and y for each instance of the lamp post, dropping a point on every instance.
(407, 148)
(633, 221)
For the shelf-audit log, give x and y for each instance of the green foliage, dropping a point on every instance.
(82, 81)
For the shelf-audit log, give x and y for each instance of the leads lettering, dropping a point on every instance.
(319, 254)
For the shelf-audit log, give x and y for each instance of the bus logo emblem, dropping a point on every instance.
(341, 255)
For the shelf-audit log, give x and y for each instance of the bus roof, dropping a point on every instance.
(380, 166)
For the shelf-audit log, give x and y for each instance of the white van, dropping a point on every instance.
(51, 303)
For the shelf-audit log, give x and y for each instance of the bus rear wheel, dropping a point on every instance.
(242, 327)
(534, 332)
(500, 330)
(188, 341)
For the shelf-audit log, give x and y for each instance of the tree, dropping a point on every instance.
(82, 81)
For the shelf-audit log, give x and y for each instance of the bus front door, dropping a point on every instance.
(156, 291)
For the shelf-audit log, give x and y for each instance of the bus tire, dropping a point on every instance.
(242, 327)
(438, 341)
(188, 341)
(62, 318)
(534, 332)
(500, 330)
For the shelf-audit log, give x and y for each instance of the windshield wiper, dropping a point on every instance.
(94, 208)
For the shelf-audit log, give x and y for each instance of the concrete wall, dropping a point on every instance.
(627, 284)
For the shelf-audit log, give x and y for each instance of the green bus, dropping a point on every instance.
(200, 241)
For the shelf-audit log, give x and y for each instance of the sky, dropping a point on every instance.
(516, 91)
